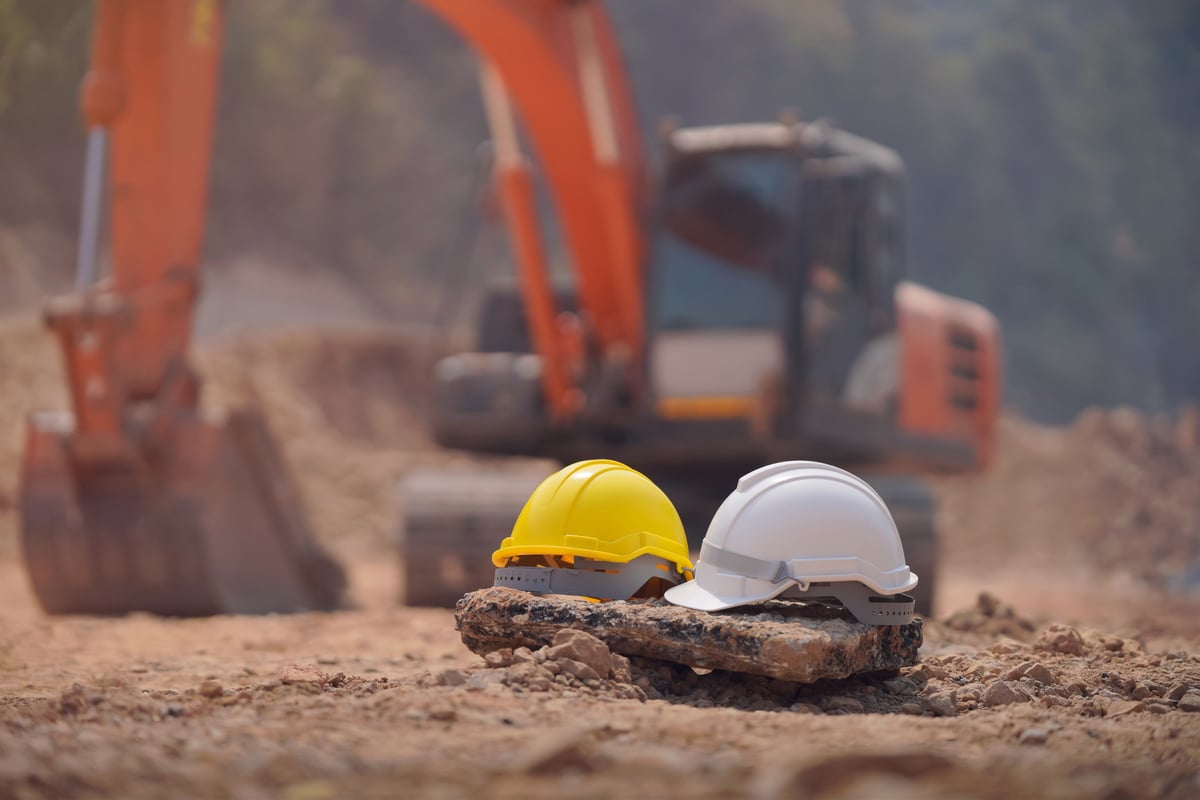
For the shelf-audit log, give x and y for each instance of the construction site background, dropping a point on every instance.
(1052, 152)
(1054, 161)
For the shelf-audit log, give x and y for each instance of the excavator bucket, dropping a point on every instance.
(211, 525)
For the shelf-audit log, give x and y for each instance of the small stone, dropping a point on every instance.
(443, 713)
(937, 671)
(1158, 707)
(451, 677)
(490, 680)
(1141, 692)
(212, 689)
(302, 673)
(627, 691)
(1033, 736)
(1006, 647)
(1178, 691)
(540, 684)
(1041, 674)
(942, 704)
(522, 673)
(1061, 639)
(581, 647)
(1118, 708)
(912, 708)
(846, 704)
(1002, 693)
(577, 669)
(620, 669)
(919, 674)
(1018, 672)
(522, 654)
(499, 658)
(805, 708)
(1190, 701)
(173, 710)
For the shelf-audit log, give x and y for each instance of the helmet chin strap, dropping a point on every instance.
(867, 607)
(606, 580)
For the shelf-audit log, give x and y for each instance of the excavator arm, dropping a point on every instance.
(138, 500)
(557, 62)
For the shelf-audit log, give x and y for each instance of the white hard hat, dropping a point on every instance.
(807, 527)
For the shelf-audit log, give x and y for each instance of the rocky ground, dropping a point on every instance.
(387, 702)
(1083, 680)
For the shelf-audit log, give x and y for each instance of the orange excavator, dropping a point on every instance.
(742, 304)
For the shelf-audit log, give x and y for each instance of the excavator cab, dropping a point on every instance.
(771, 279)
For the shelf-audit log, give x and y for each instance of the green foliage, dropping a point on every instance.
(42, 53)
(1053, 149)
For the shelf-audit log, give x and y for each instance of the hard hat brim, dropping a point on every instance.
(694, 596)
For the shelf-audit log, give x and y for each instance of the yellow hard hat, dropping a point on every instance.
(594, 511)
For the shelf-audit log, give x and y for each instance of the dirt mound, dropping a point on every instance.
(991, 616)
(1114, 491)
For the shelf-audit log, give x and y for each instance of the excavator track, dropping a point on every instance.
(914, 509)
(452, 521)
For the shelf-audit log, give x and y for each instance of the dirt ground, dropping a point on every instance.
(1080, 681)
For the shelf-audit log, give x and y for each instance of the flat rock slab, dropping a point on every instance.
(790, 641)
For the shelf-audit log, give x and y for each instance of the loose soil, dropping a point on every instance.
(1081, 680)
